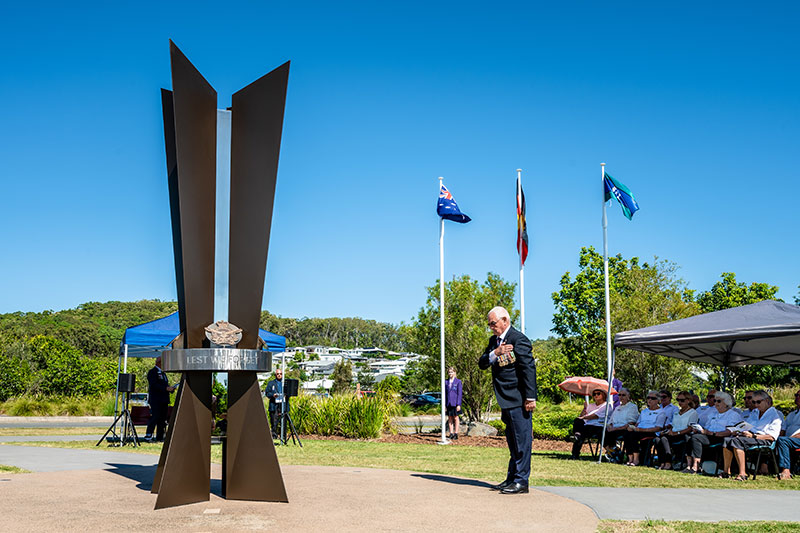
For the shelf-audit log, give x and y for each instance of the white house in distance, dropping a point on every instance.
(381, 363)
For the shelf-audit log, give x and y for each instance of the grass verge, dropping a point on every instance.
(46, 432)
(660, 526)
(548, 468)
(13, 470)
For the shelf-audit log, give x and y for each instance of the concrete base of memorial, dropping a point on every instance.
(327, 499)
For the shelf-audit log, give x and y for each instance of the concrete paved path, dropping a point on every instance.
(116, 496)
(706, 505)
(38, 459)
(361, 496)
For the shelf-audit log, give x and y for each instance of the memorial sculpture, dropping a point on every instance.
(222, 167)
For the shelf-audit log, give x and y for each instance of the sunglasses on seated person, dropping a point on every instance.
(652, 398)
(682, 399)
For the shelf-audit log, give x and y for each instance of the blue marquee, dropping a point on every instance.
(150, 338)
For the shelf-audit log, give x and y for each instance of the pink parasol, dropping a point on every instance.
(585, 385)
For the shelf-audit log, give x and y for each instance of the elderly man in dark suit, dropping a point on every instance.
(514, 378)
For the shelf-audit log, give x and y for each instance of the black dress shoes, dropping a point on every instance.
(502, 485)
(515, 488)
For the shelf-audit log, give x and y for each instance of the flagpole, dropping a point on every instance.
(608, 308)
(441, 317)
(521, 264)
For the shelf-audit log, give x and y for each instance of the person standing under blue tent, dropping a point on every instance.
(274, 392)
(158, 389)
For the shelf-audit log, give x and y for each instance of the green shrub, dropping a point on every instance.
(61, 369)
(343, 414)
(106, 406)
(29, 406)
(554, 422)
(15, 372)
(499, 425)
(785, 406)
(59, 406)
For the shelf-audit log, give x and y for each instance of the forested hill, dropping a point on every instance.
(97, 328)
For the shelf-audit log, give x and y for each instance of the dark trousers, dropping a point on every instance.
(698, 441)
(274, 419)
(582, 431)
(158, 420)
(669, 444)
(636, 442)
(518, 437)
(613, 436)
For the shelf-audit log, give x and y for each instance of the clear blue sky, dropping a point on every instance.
(694, 106)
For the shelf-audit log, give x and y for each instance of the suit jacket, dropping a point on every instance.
(274, 387)
(513, 383)
(453, 396)
(157, 384)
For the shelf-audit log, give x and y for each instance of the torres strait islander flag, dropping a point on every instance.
(624, 196)
(522, 226)
(447, 207)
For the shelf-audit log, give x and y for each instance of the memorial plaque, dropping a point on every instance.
(216, 360)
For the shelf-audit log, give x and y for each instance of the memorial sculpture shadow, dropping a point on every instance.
(249, 134)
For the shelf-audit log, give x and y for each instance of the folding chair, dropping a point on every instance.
(594, 444)
(647, 447)
(796, 463)
(717, 449)
(767, 447)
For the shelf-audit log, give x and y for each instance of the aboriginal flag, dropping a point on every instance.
(522, 227)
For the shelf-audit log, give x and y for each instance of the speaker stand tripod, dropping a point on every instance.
(128, 433)
(287, 423)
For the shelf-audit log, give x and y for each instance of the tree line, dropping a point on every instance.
(643, 293)
(74, 352)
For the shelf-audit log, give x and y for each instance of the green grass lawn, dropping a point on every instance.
(13, 469)
(660, 526)
(489, 464)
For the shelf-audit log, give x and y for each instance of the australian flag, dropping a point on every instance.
(447, 207)
(624, 196)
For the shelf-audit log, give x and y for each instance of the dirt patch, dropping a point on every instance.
(435, 438)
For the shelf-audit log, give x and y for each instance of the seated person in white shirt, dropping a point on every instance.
(713, 431)
(625, 414)
(704, 411)
(789, 440)
(766, 428)
(749, 407)
(651, 420)
(665, 399)
(678, 432)
(590, 421)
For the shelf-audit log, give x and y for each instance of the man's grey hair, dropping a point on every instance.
(652, 393)
(499, 312)
(726, 398)
(764, 395)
